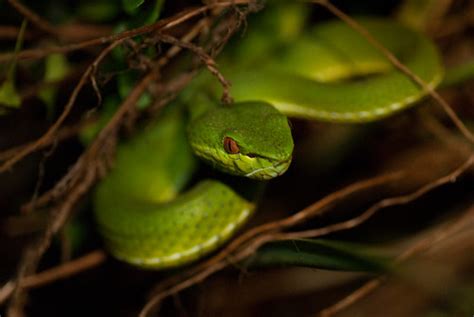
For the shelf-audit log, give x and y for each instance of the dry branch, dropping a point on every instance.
(163, 24)
(35, 19)
(91, 165)
(419, 247)
(239, 252)
(59, 272)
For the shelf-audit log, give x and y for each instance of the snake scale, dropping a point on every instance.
(148, 213)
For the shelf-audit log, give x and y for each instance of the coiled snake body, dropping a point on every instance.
(143, 216)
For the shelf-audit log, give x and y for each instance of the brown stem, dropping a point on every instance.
(417, 248)
(35, 19)
(160, 25)
(56, 273)
(239, 252)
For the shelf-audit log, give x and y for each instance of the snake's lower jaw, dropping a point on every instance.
(271, 171)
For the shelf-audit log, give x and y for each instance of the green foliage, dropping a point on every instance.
(322, 254)
(142, 13)
(56, 68)
(9, 97)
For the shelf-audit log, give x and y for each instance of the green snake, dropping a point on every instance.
(148, 213)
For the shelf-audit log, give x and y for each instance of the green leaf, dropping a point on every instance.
(48, 96)
(56, 68)
(8, 95)
(131, 6)
(322, 254)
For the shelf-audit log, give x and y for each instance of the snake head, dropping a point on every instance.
(251, 139)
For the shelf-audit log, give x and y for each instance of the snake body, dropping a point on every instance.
(140, 209)
(143, 215)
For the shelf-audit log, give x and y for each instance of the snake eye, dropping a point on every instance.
(230, 146)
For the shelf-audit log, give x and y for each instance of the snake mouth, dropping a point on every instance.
(272, 171)
(253, 166)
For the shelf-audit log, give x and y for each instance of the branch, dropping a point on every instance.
(35, 19)
(160, 25)
(243, 250)
(90, 166)
(388, 202)
(54, 274)
(418, 247)
(86, 172)
(50, 134)
(217, 262)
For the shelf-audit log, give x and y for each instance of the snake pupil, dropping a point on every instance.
(231, 146)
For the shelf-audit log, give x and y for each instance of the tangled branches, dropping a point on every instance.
(94, 162)
(98, 157)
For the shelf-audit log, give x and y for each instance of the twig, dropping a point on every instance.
(65, 270)
(188, 37)
(62, 185)
(352, 298)
(316, 209)
(243, 250)
(388, 202)
(87, 168)
(117, 39)
(218, 261)
(56, 273)
(35, 19)
(46, 137)
(160, 25)
(69, 32)
(417, 248)
(64, 32)
(11, 32)
(399, 65)
(33, 253)
(206, 59)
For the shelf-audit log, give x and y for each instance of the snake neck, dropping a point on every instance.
(197, 99)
